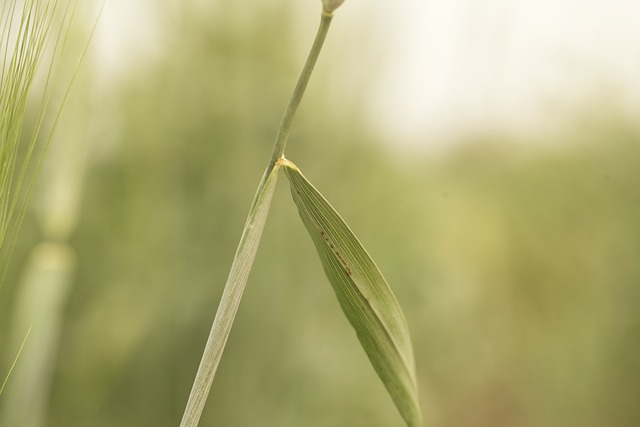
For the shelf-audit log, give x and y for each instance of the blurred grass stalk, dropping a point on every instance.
(47, 279)
(34, 35)
(39, 307)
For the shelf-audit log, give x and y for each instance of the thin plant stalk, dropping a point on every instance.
(248, 246)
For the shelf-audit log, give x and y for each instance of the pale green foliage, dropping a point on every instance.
(32, 39)
(364, 295)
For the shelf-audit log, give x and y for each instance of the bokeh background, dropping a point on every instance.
(486, 153)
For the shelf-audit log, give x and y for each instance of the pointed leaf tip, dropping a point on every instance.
(364, 295)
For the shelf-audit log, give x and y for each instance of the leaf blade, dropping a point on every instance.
(364, 295)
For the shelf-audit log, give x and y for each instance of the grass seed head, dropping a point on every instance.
(330, 5)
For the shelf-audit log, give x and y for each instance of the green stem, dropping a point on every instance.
(248, 246)
(298, 91)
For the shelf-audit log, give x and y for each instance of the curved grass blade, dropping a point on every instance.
(364, 295)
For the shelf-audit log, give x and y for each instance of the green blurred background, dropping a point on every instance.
(515, 255)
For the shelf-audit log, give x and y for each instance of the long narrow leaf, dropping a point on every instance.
(231, 296)
(363, 293)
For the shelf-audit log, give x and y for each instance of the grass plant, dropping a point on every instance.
(33, 36)
(34, 87)
(364, 295)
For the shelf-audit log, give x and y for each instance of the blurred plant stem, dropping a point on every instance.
(251, 234)
(46, 282)
(39, 306)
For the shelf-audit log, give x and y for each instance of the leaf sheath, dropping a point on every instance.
(233, 290)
